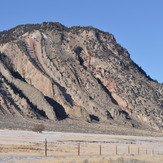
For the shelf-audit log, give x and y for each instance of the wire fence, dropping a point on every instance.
(81, 148)
(85, 148)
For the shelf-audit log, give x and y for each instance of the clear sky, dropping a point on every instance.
(136, 24)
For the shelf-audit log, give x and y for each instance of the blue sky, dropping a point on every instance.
(136, 24)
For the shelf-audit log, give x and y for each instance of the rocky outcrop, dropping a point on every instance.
(52, 72)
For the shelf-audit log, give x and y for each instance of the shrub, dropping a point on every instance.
(38, 128)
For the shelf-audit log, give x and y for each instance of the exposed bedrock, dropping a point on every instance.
(52, 72)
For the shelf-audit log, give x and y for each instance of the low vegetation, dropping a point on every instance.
(38, 128)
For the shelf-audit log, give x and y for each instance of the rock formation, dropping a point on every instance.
(49, 71)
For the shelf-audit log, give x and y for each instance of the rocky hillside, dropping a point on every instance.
(53, 73)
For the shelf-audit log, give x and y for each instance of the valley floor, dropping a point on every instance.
(29, 146)
(76, 126)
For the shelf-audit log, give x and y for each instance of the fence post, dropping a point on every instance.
(128, 149)
(45, 147)
(78, 149)
(146, 151)
(100, 149)
(138, 150)
(116, 150)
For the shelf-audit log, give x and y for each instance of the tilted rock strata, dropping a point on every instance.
(54, 72)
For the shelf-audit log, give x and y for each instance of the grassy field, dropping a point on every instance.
(86, 159)
(28, 146)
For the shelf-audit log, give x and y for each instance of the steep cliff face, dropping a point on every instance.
(49, 71)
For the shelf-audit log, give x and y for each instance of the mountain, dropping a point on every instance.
(52, 73)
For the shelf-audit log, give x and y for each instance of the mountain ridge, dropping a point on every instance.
(75, 73)
(51, 26)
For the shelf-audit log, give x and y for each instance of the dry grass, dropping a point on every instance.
(94, 159)
(27, 146)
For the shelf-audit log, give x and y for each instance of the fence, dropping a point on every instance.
(85, 148)
(45, 148)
